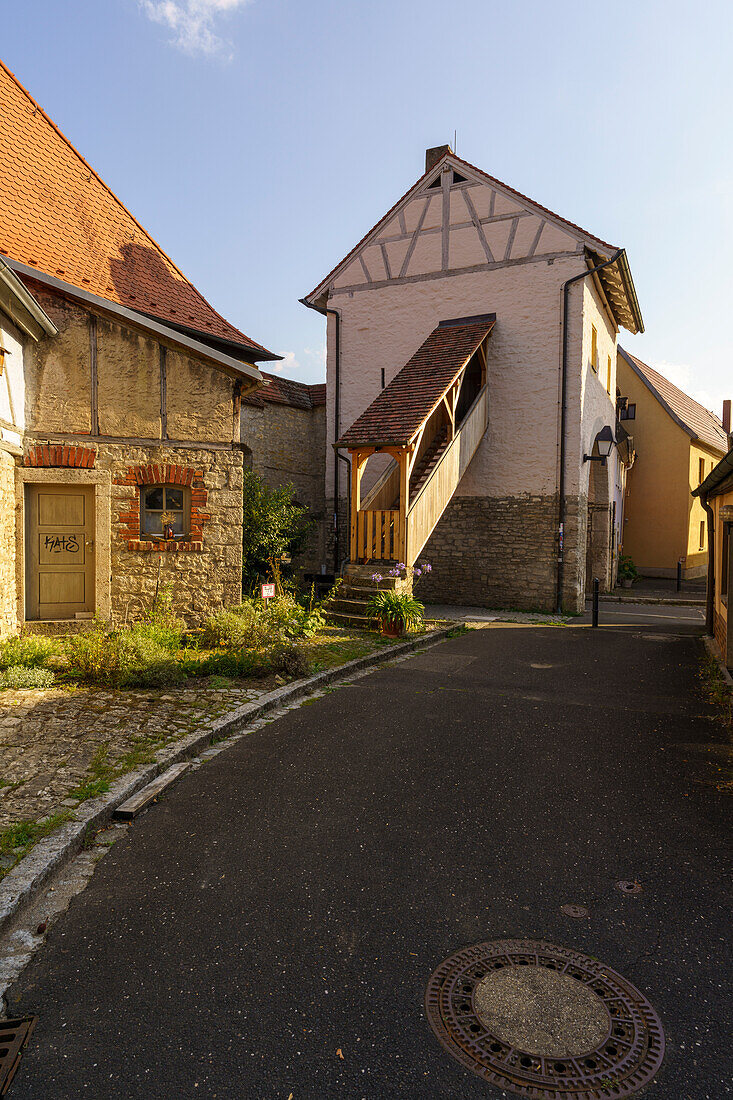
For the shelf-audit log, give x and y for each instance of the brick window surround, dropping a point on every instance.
(59, 454)
(129, 516)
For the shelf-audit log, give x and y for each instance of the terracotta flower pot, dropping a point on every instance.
(627, 582)
(391, 628)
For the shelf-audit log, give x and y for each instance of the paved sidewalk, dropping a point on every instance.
(268, 928)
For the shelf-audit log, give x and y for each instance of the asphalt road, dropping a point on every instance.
(266, 931)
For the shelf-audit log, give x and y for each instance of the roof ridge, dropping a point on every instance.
(419, 182)
(687, 396)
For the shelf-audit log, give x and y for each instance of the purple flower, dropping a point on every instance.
(376, 577)
(417, 572)
(427, 567)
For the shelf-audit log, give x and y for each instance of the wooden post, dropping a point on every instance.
(356, 465)
(404, 461)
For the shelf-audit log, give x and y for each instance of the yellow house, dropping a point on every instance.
(716, 497)
(677, 443)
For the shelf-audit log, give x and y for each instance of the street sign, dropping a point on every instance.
(267, 591)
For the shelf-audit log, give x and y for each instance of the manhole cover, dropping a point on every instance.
(630, 887)
(577, 911)
(543, 1021)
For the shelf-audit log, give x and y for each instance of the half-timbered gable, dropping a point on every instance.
(461, 244)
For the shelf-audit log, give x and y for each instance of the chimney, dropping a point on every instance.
(726, 417)
(432, 156)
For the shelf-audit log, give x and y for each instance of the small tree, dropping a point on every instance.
(273, 525)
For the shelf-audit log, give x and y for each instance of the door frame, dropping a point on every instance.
(101, 481)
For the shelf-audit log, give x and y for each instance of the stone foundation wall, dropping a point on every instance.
(8, 597)
(502, 552)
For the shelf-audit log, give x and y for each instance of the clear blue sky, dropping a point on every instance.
(257, 141)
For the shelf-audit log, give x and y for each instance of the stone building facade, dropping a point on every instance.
(122, 432)
(283, 431)
(121, 460)
(461, 244)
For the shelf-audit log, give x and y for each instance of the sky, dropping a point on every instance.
(258, 140)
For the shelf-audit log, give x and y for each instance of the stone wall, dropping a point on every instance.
(494, 552)
(8, 603)
(287, 445)
(200, 580)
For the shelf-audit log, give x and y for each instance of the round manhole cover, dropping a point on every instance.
(543, 1021)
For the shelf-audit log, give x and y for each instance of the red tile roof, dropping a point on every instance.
(57, 215)
(286, 391)
(402, 406)
(698, 422)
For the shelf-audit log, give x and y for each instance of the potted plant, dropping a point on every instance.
(396, 611)
(627, 571)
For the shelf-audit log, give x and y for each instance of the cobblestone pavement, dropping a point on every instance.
(55, 741)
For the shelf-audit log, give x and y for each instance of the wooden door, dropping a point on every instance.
(60, 551)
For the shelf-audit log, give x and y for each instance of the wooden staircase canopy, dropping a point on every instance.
(404, 406)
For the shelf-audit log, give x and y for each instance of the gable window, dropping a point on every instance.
(702, 534)
(629, 413)
(594, 348)
(701, 470)
(165, 511)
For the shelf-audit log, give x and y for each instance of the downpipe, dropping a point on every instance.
(562, 509)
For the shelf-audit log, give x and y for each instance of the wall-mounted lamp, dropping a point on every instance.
(604, 441)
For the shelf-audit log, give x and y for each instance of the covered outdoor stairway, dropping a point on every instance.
(430, 420)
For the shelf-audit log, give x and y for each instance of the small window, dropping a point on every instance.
(164, 511)
(702, 534)
(701, 470)
(629, 413)
(594, 348)
(608, 375)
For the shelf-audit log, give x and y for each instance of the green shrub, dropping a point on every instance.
(399, 608)
(230, 663)
(273, 525)
(20, 676)
(29, 651)
(290, 660)
(242, 627)
(130, 658)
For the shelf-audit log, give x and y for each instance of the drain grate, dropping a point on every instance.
(14, 1034)
(458, 1006)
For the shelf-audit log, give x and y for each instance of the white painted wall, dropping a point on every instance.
(12, 383)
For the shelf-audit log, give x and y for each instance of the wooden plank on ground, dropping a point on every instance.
(127, 810)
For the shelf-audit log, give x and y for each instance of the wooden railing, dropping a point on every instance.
(385, 490)
(430, 503)
(378, 535)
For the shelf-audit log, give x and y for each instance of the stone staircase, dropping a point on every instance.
(349, 607)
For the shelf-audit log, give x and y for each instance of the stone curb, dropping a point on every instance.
(53, 852)
(714, 650)
(652, 599)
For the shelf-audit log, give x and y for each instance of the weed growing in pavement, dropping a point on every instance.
(715, 689)
(20, 838)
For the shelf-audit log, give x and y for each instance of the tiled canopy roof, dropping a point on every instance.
(697, 421)
(57, 215)
(285, 391)
(397, 413)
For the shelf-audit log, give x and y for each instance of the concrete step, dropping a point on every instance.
(363, 622)
(349, 607)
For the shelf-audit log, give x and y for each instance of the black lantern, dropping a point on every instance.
(604, 441)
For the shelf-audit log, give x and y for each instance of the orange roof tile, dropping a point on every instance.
(398, 411)
(57, 215)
